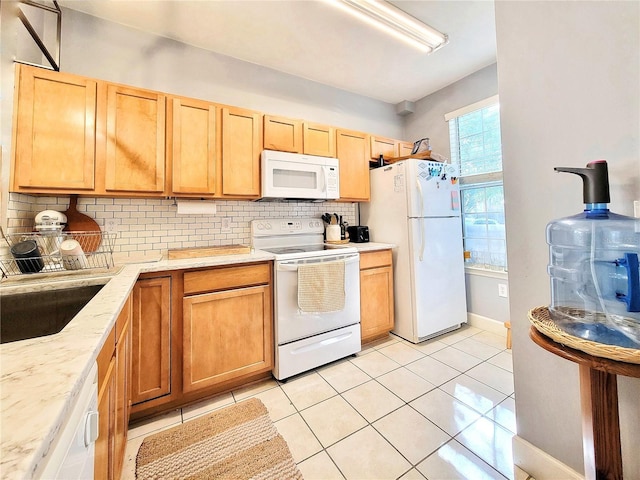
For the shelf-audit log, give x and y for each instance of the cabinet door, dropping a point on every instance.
(405, 149)
(241, 148)
(282, 134)
(122, 385)
(135, 141)
(319, 140)
(193, 147)
(376, 302)
(151, 331)
(54, 128)
(354, 152)
(387, 147)
(226, 335)
(104, 446)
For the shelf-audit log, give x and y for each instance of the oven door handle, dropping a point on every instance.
(292, 265)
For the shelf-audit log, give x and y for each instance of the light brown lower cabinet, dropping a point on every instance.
(114, 399)
(123, 385)
(151, 377)
(200, 332)
(105, 443)
(376, 294)
(227, 332)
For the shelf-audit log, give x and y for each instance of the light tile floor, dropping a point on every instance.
(443, 409)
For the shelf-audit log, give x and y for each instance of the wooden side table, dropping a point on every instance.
(599, 402)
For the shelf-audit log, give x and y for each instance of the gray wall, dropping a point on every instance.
(569, 85)
(428, 121)
(105, 50)
(428, 118)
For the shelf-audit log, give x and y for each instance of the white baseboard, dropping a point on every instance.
(539, 464)
(486, 323)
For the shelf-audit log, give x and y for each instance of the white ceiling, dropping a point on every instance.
(316, 41)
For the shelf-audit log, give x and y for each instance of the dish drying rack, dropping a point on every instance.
(97, 248)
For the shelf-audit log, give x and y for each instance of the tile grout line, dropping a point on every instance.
(405, 403)
(378, 348)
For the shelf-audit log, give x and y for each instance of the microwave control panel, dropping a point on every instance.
(332, 182)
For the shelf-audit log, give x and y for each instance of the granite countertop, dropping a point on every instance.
(372, 246)
(41, 377)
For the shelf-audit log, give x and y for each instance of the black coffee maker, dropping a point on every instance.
(358, 233)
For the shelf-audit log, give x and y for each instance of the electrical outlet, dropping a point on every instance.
(226, 225)
(111, 224)
(502, 290)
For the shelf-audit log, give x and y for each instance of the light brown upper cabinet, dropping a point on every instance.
(241, 141)
(192, 146)
(134, 141)
(319, 140)
(405, 149)
(387, 147)
(354, 151)
(54, 132)
(79, 135)
(282, 134)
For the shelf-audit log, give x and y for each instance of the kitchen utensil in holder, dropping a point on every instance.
(53, 258)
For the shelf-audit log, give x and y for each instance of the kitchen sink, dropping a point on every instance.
(38, 314)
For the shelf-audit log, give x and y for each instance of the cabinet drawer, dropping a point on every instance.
(226, 277)
(375, 259)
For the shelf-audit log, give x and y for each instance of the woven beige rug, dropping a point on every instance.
(237, 442)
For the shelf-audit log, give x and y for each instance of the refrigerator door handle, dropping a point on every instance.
(420, 194)
(422, 235)
(419, 185)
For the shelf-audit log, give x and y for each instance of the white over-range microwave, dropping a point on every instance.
(294, 176)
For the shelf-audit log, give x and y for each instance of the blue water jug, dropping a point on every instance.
(593, 264)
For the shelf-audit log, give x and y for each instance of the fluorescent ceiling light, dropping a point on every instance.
(395, 22)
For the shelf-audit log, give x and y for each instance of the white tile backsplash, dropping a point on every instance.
(148, 226)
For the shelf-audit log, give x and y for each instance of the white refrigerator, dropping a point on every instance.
(415, 204)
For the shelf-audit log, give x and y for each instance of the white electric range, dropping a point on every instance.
(306, 340)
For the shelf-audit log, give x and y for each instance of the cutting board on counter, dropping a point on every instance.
(197, 252)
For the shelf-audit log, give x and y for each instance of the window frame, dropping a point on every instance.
(477, 180)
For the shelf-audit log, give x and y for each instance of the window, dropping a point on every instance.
(475, 145)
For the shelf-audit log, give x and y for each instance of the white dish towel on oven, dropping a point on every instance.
(321, 287)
